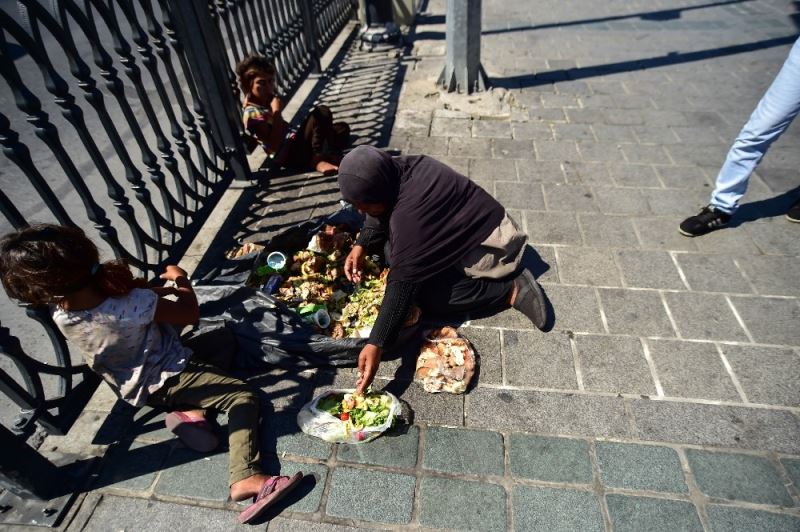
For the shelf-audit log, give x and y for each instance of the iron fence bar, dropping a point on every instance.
(23, 471)
(241, 9)
(310, 32)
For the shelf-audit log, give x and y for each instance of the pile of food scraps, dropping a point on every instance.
(358, 411)
(446, 362)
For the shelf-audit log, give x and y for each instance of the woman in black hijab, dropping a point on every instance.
(451, 246)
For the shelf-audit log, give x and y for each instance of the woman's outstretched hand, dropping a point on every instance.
(354, 263)
(368, 361)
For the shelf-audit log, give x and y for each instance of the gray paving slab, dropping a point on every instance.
(549, 459)
(587, 173)
(616, 200)
(546, 412)
(390, 450)
(613, 364)
(194, 475)
(281, 524)
(552, 227)
(530, 171)
(486, 343)
(662, 233)
(673, 202)
(770, 320)
(773, 276)
(461, 505)
(532, 130)
(648, 269)
(635, 312)
(692, 369)
(767, 375)
(572, 198)
(587, 266)
(576, 308)
(613, 133)
(440, 408)
(458, 163)
(491, 129)
(712, 273)
(704, 316)
(513, 149)
(519, 196)
(556, 150)
(123, 513)
(607, 231)
(307, 495)
(640, 514)
(683, 177)
(537, 360)
(716, 425)
(573, 132)
(546, 267)
(132, 467)
(433, 146)
(469, 147)
(774, 238)
(640, 467)
(463, 451)
(451, 127)
(732, 519)
(507, 319)
(792, 467)
(281, 434)
(492, 169)
(370, 495)
(557, 510)
(738, 477)
(645, 154)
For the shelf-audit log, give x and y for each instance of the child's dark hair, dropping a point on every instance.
(43, 263)
(251, 66)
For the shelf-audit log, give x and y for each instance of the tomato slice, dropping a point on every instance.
(344, 416)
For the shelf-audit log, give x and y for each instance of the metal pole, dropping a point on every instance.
(463, 71)
(208, 62)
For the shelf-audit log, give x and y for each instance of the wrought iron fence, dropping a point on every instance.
(121, 117)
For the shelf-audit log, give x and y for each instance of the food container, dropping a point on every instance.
(321, 424)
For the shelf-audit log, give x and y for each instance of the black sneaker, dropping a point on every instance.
(530, 299)
(794, 212)
(704, 222)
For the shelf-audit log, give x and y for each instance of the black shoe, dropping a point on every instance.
(794, 212)
(530, 299)
(704, 222)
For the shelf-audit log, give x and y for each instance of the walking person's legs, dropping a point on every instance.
(773, 114)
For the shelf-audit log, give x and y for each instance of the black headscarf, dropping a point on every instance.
(434, 215)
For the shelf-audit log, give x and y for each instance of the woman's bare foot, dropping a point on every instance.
(326, 168)
(247, 488)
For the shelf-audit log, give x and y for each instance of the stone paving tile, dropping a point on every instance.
(738, 476)
(712, 273)
(587, 173)
(704, 316)
(775, 276)
(684, 177)
(733, 519)
(541, 261)
(513, 149)
(440, 408)
(612, 133)
(530, 171)
(195, 475)
(586, 116)
(725, 241)
(283, 390)
(575, 308)
(655, 135)
(792, 466)
(636, 312)
(767, 375)
(463, 451)
(459, 164)
(549, 115)
(640, 467)
(370, 495)
(549, 459)
(564, 150)
(451, 127)
(280, 434)
(691, 369)
(507, 319)
(634, 175)
(590, 266)
(307, 495)
(519, 195)
(674, 201)
(492, 169)
(461, 505)
(555, 510)
(546, 412)
(134, 467)
(280, 524)
(143, 514)
(573, 132)
(390, 450)
(662, 233)
(645, 514)
(491, 129)
(600, 151)
(560, 197)
(648, 269)
(532, 130)
(542, 361)
(770, 320)
(433, 146)
(779, 238)
(552, 227)
(486, 343)
(608, 231)
(613, 200)
(723, 426)
(463, 147)
(614, 364)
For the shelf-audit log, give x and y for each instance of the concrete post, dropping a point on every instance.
(463, 71)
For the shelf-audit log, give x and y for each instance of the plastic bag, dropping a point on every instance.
(446, 362)
(321, 424)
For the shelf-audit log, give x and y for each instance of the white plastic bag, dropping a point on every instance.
(330, 428)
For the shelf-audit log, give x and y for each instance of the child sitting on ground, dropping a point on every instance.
(319, 142)
(127, 334)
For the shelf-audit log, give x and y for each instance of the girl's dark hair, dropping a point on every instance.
(250, 67)
(43, 263)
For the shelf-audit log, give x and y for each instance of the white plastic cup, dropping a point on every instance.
(321, 319)
(276, 260)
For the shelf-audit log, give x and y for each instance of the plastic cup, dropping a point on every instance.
(276, 261)
(321, 319)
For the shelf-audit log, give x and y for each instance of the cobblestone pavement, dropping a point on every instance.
(665, 398)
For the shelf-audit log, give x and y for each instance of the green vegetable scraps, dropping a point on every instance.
(359, 411)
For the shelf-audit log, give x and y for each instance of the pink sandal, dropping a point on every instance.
(196, 434)
(273, 489)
